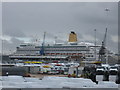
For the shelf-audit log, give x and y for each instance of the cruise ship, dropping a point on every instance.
(70, 51)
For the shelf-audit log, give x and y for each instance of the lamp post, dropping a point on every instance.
(106, 10)
(95, 44)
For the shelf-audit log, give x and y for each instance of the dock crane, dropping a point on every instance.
(102, 50)
(42, 48)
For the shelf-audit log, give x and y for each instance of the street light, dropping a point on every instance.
(107, 10)
(95, 44)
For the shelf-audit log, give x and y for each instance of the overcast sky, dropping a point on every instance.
(21, 22)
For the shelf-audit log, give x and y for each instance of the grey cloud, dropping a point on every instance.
(13, 32)
(10, 45)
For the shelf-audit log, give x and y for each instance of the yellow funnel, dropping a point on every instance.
(72, 37)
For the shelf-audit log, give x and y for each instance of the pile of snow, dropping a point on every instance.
(107, 84)
(52, 82)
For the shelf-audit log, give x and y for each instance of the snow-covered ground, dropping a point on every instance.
(52, 82)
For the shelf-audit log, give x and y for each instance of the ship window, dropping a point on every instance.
(91, 55)
(88, 55)
(23, 45)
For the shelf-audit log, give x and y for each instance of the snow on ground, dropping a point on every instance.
(52, 82)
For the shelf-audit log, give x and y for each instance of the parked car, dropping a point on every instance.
(113, 70)
(53, 72)
(66, 69)
(101, 70)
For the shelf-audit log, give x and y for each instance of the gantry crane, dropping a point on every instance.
(42, 48)
(102, 51)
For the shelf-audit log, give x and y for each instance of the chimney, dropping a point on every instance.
(72, 37)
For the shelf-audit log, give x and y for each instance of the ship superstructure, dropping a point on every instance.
(73, 50)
